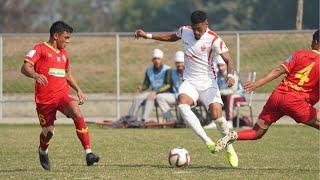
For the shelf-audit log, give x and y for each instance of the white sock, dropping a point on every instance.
(43, 151)
(193, 122)
(87, 151)
(222, 127)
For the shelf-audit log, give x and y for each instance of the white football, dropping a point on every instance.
(179, 157)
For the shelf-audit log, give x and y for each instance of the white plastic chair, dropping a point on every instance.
(246, 77)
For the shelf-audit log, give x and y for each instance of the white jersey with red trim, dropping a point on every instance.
(199, 61)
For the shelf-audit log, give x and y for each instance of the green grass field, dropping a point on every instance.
(286, 152)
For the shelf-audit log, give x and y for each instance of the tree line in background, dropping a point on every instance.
(154, 15)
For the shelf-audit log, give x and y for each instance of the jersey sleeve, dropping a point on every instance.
(179, 32)
(289, 63)
(33, 55)
(219, 46)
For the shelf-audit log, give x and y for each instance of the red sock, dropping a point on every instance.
(247, 135)
(82, 132)
(43, 142)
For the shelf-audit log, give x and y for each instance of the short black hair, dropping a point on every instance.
(60, 26)
(315, 36)
(198, 17)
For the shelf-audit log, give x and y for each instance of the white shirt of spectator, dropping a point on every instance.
(199, 61)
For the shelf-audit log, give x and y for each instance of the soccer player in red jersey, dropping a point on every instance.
(295, 96)
(48, 64)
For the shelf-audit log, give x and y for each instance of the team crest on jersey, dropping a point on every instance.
(64, 58)
(31, 53)
(203, 47)
(58, 59)
(49, 55)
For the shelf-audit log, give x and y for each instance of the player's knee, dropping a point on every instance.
(215, 111)
(48, 132)
(317, 121)
(77, 114)
(185, 99)
(159, 98)
(215, 116)
(318, 117)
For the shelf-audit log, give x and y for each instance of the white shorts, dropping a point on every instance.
(208, 96)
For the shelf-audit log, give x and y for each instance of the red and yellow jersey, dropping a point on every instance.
(53, 64)
(302, 74)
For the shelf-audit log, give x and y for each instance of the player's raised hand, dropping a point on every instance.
(140, 33)
(81, 97)
(230, 81)
(41, 79)
(248, 86)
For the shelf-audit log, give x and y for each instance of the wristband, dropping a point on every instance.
(230, 75)
(149, 36)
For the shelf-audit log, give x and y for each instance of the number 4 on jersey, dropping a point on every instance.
(303, 74)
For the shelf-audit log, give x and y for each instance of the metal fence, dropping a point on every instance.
(108, 66)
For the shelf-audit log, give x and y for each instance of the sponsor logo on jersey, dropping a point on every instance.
(57, 72)
(31, 53)
(64, 58)
(203, 47)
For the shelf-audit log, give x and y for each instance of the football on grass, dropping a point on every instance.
(179, 157)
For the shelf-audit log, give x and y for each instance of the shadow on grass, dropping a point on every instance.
(13, 170)
(223, 168)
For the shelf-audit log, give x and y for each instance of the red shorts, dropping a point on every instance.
(291, 104)
(47, 112)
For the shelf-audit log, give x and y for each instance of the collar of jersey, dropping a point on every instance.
(204, 33)
(49, 46)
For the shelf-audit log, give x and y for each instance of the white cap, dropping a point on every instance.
(157, 53)
(178, 57)
(219, 60)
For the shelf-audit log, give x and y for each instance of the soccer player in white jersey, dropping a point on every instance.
(200, 45)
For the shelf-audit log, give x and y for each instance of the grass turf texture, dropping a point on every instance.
(286, 152)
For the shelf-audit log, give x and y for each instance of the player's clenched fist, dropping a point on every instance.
(81, 97)
(140, 33)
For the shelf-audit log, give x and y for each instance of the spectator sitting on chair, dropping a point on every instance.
(174, 79)
(152, 85)
(230, 96)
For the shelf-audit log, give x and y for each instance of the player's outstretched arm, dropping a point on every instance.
(75, 86)
(28, 70)
(273, 74)
(169, 37)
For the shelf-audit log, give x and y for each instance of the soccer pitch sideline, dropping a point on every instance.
(285, 152)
